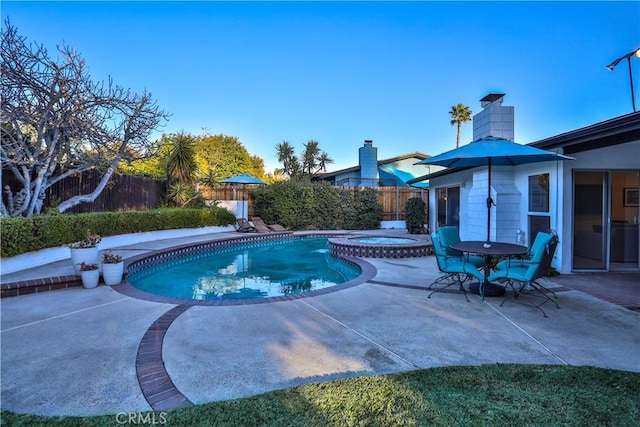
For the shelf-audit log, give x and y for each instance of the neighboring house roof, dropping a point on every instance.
(329, 175)
(404, 176)
(618, 130)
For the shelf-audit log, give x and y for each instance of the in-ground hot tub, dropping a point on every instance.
(376, 246)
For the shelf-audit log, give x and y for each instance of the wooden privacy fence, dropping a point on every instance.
(122, 193)
(392, 199)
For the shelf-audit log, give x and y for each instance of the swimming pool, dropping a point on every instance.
(247, 270)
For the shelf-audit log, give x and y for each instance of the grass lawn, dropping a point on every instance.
(500, 395)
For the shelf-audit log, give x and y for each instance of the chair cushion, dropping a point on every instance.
(454, 266)
(513, 273)
(511, 263)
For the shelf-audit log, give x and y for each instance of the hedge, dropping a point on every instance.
(20, 235)
(300, 204)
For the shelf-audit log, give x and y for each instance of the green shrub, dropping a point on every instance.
(20, 235)
(416, 213)
(300, 204)
(15, 235)
(328, 213)
(364, 212)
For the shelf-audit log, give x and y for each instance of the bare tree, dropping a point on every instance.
(56, 121)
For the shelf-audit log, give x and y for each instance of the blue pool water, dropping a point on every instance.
(247, 271)
(374, 240)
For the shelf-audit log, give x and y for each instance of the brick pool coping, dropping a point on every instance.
(33, 286)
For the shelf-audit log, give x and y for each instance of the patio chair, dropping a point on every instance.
(245, 226)
(270, 227)
(449, 234)
(455, 270)
(523, 279)
(260, 226)
(524, 260)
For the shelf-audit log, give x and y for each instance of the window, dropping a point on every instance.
(538, 204)
(538, 223)
(442, 206)
(448, 206)
(539, 193)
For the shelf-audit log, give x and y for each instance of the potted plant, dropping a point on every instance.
(86, 250)
(90, 274)
(112, 268)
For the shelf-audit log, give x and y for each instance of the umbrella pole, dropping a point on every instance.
(489, 204)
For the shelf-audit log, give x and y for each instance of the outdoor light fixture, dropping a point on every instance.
(628, 56)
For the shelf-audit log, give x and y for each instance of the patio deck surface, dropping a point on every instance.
(97, 351)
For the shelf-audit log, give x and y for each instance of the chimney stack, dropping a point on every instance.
(368, 161)
(495, 119)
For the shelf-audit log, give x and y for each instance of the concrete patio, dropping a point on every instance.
(97, 351)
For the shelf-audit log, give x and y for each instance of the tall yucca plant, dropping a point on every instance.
(181, 162)
(181, 169)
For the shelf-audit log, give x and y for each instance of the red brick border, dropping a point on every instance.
(154, 380)
(33, 286)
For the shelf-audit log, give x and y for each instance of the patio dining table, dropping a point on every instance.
(488, 249)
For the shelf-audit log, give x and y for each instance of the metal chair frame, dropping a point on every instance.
(523, 280)
(455, 270)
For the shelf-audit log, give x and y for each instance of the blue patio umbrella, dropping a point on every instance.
(244, 179)
(492, 151)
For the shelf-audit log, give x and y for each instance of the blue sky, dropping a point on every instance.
(343, 72)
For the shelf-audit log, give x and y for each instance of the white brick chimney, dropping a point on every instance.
(498, 121)
(495, 119)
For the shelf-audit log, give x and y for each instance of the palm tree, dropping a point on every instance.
(310, 162)
(286, 154)
(323, 161)
(459, 114)
(309, 157)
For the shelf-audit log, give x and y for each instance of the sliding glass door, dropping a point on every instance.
(605, 225)
(589, 220)
(623, 227)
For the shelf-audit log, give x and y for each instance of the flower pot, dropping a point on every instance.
(90, 278)
(112, 273)
(86, 255)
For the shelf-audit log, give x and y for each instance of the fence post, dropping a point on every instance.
(397, 203)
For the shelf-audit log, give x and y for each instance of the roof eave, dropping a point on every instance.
(618, 130)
